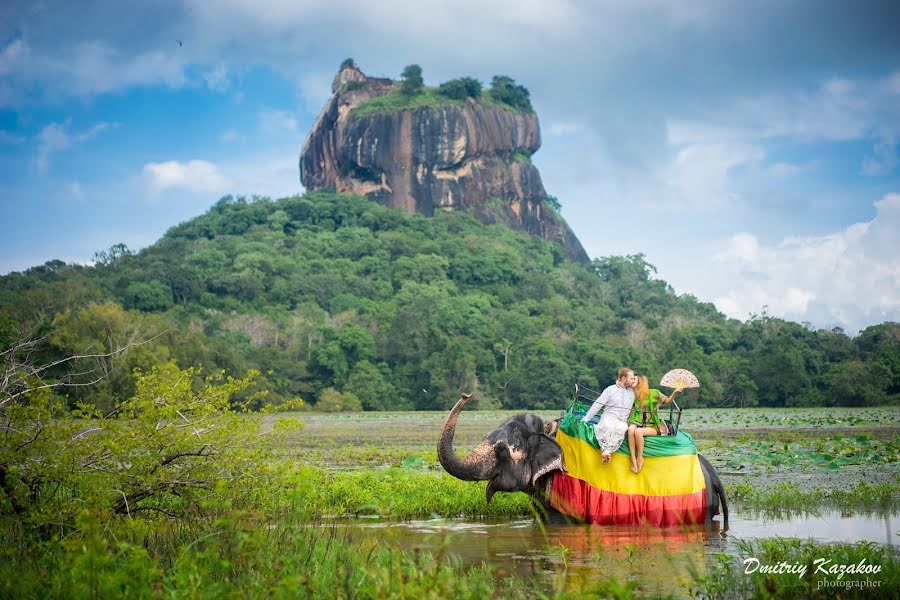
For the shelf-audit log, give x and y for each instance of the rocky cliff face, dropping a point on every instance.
(473, 158)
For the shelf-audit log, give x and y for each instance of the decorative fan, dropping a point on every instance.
(680, 378)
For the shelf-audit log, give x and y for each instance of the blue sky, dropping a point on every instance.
(750, 150)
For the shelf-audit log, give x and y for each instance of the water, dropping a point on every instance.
(663, 560)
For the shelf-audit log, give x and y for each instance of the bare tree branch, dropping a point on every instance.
(18, 367)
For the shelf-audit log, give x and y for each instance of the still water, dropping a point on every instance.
(663, 561)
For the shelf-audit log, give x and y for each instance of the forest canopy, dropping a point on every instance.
(336, 298)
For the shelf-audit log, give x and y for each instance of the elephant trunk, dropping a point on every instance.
(479, 463)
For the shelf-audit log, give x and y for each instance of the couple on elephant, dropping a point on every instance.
(629, 406)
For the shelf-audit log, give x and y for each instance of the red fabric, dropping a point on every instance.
(581, 500)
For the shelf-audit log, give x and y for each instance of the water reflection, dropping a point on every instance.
(662, 561)
(823, 526)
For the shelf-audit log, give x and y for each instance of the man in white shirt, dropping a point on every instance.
(617, 401)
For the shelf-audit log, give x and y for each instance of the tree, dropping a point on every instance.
(412, 80)
(111, 257)
(148, 296)
(346, 64)
(855, 383)
(504, 89)
(367, 383)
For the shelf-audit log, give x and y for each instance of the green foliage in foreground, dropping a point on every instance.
(170, 449)
(213, 511)
(237, 555)
(404, 311)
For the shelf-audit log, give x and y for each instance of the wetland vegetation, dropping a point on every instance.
(134, 472)
(355, 505)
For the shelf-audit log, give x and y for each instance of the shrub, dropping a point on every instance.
(348, 62)
(175, 448)
(331, 400)
(460, 89)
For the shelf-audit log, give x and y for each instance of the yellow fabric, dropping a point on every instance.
(662, 476)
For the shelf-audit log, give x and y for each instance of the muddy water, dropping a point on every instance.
(663, 561)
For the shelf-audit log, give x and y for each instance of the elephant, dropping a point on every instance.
(522, 456)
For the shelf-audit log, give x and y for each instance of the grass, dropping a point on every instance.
(787, 498)
(396, 101)
(402, 493)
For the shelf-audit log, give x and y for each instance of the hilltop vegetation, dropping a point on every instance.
(412, 93)
(337, 297)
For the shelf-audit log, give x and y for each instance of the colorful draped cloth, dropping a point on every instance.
(669, 490)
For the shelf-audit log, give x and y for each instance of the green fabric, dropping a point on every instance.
(651, 407)
(654, 446)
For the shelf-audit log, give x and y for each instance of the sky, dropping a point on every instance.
(748, 149)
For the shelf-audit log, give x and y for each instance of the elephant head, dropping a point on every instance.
(511, 458)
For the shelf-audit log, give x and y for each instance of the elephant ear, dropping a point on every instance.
(545, 457)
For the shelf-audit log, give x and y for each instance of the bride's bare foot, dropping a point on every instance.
(640, 464)
(634, 467)
(606, 457)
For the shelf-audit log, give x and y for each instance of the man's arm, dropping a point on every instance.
(600, 401)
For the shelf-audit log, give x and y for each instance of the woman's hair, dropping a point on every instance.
(641, 390)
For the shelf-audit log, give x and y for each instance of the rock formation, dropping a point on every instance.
(455, 156)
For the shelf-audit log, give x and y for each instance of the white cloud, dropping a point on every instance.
(564, 128)
(10, 138)
(275, 121)
(217, 79)
(883, 158)
(838, 110)
(55, 137)
(850, 278)
(698, 174)
(194, 175)
(12, 55)
(784, 169)
(74, 190)
(83, 69)
(96, 68)
(231, 135)
(273, 174)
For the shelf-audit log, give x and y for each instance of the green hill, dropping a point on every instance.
(338, 298)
